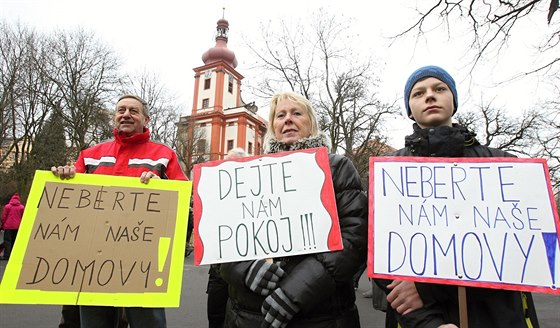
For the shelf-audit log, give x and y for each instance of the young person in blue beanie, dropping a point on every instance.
(430, 97)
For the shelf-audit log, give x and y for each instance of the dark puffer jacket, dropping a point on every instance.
(320, 284)
(445, 141)
(486, 307)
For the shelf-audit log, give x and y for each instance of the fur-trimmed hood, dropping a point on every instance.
(274, 146)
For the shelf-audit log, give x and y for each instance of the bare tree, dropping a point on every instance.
(496, 127)
(551, 144)
(85, 72)
(69, 78)
(281, 53)
(69, 74)
(492, 24)
(317, 61)
(535, 133)
(14, 51)
(23, 109)
(354, 118)
(188, 145)
(164, 109)
(549, 140)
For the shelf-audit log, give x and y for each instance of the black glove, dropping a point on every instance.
(263, 277)
(278, 310)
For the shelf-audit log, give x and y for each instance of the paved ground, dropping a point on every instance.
(192, 312)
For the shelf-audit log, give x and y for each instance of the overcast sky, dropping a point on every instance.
(169, 37)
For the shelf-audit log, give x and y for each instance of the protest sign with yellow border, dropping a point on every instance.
(99, 240)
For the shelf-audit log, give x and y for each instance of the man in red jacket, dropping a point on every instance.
(131, 154)
(11, 218)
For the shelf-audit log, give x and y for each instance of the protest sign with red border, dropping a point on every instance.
(265, 206)
(485, 222)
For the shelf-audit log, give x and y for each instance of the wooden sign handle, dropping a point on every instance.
(463, 315)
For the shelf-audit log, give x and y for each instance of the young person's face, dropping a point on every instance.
(431, 103)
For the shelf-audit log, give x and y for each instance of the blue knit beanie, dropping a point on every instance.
(424, 72)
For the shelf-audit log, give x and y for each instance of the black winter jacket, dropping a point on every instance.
(320, 284)
(491, 308)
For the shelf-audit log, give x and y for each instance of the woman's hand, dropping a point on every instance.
(263, 277)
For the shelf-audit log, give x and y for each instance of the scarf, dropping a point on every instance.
(274, 146)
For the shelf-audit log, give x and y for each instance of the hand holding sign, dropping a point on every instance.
(263, 277)
(404, 297)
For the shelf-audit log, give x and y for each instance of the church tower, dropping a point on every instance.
(220, 120)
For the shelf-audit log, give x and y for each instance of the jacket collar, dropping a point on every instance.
(441, 141)
(136, 138)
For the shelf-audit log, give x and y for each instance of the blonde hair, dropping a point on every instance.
(297, 98)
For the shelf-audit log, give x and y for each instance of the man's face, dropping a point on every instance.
(129, 117)
(431, 103)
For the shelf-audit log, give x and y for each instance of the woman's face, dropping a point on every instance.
(291, 122)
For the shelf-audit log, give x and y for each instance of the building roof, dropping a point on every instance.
(220, 51)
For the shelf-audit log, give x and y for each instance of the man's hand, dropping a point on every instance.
(147, 175)
(64, 172)
(448, 325)
(404, 297)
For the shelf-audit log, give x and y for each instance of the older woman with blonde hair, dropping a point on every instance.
(312, 290)
(301, 130)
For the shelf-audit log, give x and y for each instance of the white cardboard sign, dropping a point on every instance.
(488, 222)
(266, 206)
